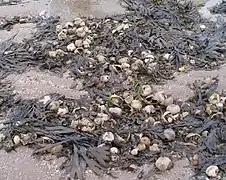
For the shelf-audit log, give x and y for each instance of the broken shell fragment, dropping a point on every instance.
(71, 47)
(101, 118)
(123, 60)
(56, 149)
(163, 163)
(136, 104)
(82, 23)
(190, 135)
(119, 139)
(54, 105)
(101, 58)
(69, 25)
(134, 152)
(147, 90)
(16, 140)
(80, 32)
(45, 99)
(128, 99)
(62, 111)
(27, 138)
(86, 43)
(149, 109)
(87, 128)
(173, 109)
(145, 140)
(141, 147)
(52, 54)
(168, 101)
(169, 134)
(214, 98)
(125, 65)
(60, 52)
(62, 35)
(116, 100)
(154, 148)
(108, 136)
(116, 111)
(167, 56)
(202, 27)
(149, 120)
(212, 171)
(114, 150)
(78, 43)
(77, 21)
(159, 97)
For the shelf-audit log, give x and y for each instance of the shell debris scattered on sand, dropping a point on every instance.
(121, 119)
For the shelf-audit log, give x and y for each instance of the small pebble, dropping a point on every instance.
(57, 149)
(45, 99)
(154, 148)
(202, 27)
(71, 47)
(212, 171)
(52, 54)
(16, 140)
(108, 136)
(136, 104)
(149, 120)
(117, 111)
(173, 109)
(169, 134)
(134, 152)
(163, 163)
(59, 28)
(22, 21)
(141, 147)
(104, 78)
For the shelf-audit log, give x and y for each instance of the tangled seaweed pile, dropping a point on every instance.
(10, 2)
(122, 120)
(154, 38)
(132, 128)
